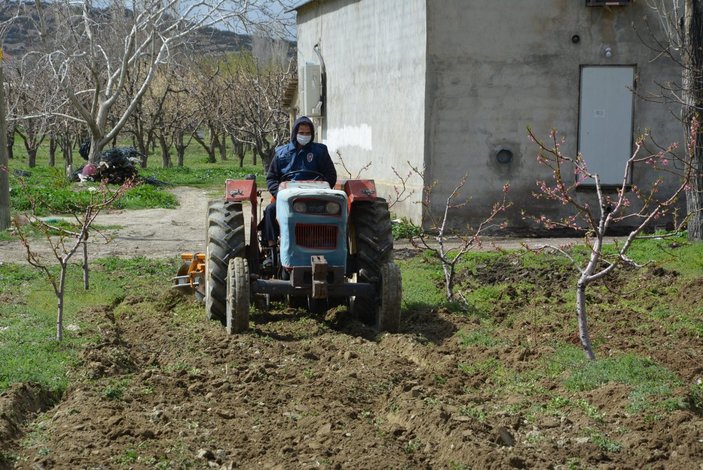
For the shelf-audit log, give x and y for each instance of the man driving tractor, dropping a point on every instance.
(299, 159)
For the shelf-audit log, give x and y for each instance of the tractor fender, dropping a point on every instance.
(240, 190)
(359, 190)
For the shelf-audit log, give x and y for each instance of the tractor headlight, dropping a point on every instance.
(300, 206)
(332, 208)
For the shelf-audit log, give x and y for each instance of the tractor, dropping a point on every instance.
(335, 248)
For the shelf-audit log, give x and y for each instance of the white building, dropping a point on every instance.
(452, 86)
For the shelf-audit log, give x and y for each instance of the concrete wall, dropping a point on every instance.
(374, 53)
(497, 66)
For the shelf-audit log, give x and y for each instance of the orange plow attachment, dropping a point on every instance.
(191, 275)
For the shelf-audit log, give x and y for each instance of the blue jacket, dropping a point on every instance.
(292, 157)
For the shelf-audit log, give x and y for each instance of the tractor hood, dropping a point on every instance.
(313, 221)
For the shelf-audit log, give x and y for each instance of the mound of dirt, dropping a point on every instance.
(18, 405)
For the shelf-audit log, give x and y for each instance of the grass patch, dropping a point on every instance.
(482, 337)
(602, 441)
(652, 385)
(28, 349)
(205, 175)
(422, 283)
(674, 253)
(54, 194)
(146, 196)
(483, 300)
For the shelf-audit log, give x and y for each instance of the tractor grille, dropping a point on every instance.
(322, 237)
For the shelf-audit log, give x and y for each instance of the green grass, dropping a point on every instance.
(422, 288)
(483, 337)
(602, 441)
(58, 196)
(652, 385)
(674, 253)
(203, 174)
(28, 349)
(53, 194)
(588, 375)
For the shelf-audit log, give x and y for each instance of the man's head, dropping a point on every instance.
(304, 135)
(303, 131)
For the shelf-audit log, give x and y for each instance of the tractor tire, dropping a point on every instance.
(297, 302)
(372, 243)
(388, 314)
(238, 291)
(317, 306)
(373, 235)
(225, 241)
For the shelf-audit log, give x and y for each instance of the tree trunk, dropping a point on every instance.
(67, 150)
(210, 149)
(165, 152)
(31, 152)
(266, 156)
(238, 149)
(10, 142)
(448, 280)
(86, 272)
(693, 116)
(180, 148)
(584, 336)
(222, 145)
(142, 147)
(4, 163)
(59, 301)
(52, 151)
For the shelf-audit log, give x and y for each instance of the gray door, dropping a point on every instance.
(605, 120)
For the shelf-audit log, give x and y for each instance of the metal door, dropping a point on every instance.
(605, 120)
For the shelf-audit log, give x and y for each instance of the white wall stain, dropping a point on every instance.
(350, 136)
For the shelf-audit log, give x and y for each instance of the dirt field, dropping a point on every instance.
(159, 391)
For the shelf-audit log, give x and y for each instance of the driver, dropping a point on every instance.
(301, 155)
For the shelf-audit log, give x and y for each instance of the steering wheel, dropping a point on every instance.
(317, 176)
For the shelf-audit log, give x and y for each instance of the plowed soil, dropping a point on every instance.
(163, 390)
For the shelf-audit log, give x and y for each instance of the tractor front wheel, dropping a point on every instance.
(388, 316)
(225, 241)
(237, 295)
(383, 310)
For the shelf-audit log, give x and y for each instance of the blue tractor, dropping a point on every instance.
(335, 248)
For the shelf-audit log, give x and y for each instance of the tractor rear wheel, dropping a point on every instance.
(225, 240)
(390, 296)
(237, 295)
(371, 241)
(373, 235)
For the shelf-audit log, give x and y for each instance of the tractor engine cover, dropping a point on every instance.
(313, 221)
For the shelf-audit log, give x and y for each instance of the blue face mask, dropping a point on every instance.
(303, 139)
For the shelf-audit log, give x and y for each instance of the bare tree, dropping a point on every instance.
(255, 103)
(64, 243)
(32, 101)
(179, 117)
(208, 92)
(627, 205)
(95, 44)
(682, 24)
(447, 245)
